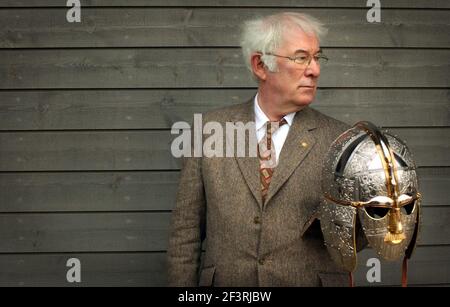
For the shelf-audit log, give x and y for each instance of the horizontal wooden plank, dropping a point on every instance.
(148, 109)
(82, 232)
(159, 27)
(433, 184)
(97, 270)
(229, 3)
(435, 229)
(429, 265)
(119, 150)
(122, 232)
(218, 67)
(426, 145)
(85, 191)
(140, 191)
(150, 150)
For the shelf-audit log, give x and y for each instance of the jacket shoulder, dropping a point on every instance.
(330, 125)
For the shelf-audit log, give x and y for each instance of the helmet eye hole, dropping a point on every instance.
(376, 212)
(408, 209)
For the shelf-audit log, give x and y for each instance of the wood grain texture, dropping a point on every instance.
(84, 232)
(150, 150)
(211, 27)
(87, 150)
(159, 109)
(97, 270)
(429, 265)
(218, 67)
(125, 232)
(88, 191)
(136, 191)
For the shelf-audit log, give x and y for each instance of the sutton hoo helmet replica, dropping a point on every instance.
(370, 176)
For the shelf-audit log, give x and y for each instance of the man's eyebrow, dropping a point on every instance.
(304, 51)
(300, 51)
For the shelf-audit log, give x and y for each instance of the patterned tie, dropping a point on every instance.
(267, 156)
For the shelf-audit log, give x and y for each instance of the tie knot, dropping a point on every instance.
(274, 126)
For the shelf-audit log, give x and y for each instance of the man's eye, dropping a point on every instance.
(301, 58)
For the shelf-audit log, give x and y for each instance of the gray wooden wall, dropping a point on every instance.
(86, 110)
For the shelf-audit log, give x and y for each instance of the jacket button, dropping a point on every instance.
(257, 220)
(261, 261)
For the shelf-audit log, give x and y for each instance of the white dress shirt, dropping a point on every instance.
(279, 136)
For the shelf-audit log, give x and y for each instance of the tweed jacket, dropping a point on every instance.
(246, 242)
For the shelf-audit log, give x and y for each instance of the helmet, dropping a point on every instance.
(369, 179)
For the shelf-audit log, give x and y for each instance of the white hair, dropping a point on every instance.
(265, 34)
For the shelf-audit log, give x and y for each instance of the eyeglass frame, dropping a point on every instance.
(316, 57)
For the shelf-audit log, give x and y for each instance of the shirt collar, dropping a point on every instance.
(261, 118)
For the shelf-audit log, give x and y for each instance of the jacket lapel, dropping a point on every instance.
(298, 144)
(249, 166)
(250, 170)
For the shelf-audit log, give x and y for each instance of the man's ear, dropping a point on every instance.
(258, 67)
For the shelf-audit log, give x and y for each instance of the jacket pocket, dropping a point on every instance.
(334, 279)
(207, 276)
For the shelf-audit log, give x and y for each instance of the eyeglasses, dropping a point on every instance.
(304, 58)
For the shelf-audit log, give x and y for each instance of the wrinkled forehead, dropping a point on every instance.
(295, 40)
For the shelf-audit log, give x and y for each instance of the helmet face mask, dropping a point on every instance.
(391, 234)
(369, 177)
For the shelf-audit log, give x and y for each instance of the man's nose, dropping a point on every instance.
(313, 69)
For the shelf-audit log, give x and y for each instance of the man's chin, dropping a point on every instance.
(306, 96)
(305, 101)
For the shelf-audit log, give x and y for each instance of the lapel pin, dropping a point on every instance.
(304, 144)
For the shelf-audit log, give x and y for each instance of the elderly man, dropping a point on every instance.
(259, 219)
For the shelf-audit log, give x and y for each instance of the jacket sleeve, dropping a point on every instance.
(187, 227)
